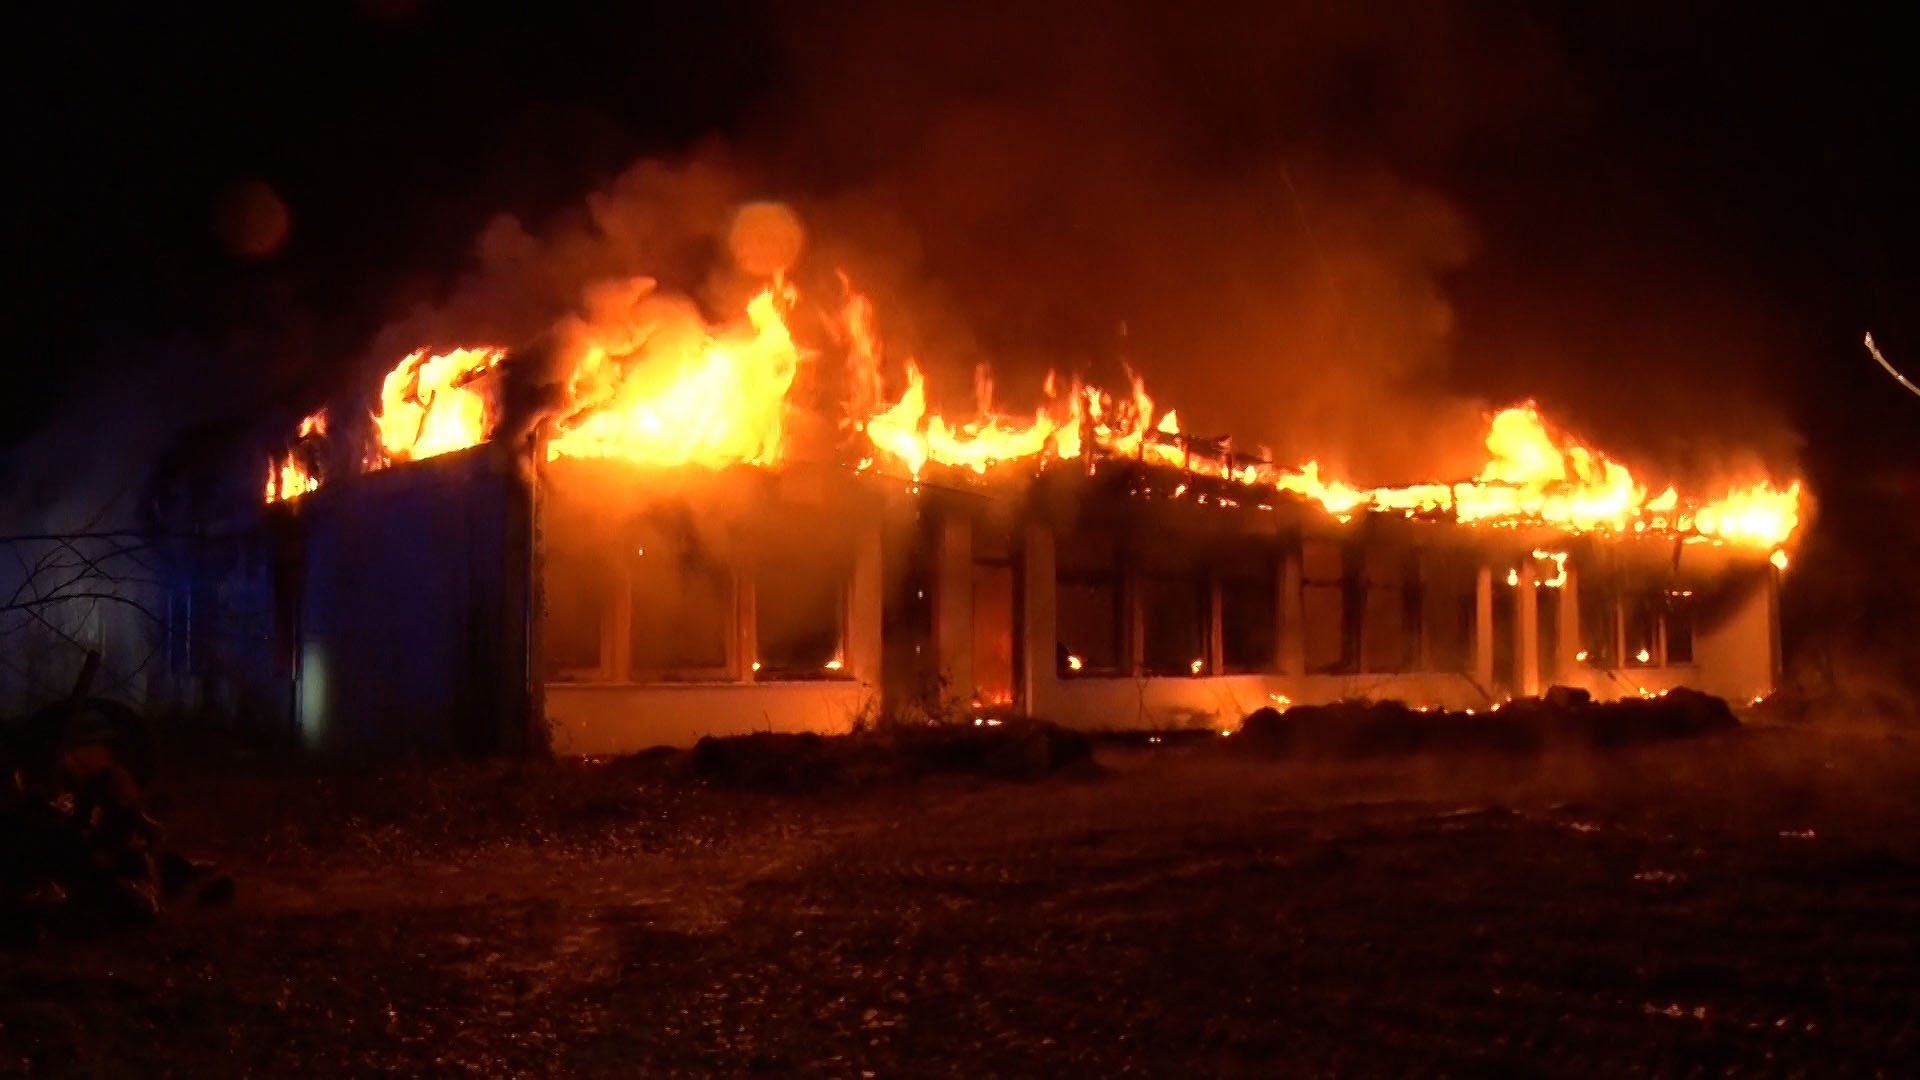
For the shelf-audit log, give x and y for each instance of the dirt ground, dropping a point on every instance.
(1743, 904)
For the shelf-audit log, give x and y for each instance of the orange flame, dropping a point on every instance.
(289, 477)
(719, 401)
(716, 396)
(429, 405)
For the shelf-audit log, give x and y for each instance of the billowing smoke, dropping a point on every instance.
(1251, 214)
(1204, 204)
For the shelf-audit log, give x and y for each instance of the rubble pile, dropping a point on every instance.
(78, 849)
(1563, 717)
(1013, 748)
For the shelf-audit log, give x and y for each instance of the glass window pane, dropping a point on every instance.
(1089, 625)
(1249, 623)
(799, 619)
(1174, 611)
(682, 604)
(576, 595)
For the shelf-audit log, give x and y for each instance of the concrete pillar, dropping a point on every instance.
(1619, 605)
(1216, 654)
(1133, 621)
(953, 604)
(746, 627)
(1566, 666)
(1526, 633)
(1291, 610)
(616, 634)
(1483, 628)
(865, 605)
(1776, 660)
(1039, 630)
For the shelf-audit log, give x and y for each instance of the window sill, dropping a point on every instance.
(701, 684)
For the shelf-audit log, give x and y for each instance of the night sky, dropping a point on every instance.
(1671, 224)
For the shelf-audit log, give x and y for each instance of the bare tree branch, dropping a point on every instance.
(104, 597)
(1902, 379)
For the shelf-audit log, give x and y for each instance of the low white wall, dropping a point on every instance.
(1638, 682)
(1166, 703)
(610, 719)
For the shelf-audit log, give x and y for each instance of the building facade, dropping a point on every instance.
(1131, 597)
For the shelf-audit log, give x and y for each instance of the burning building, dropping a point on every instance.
(646, 528)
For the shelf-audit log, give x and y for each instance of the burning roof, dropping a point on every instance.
(653, 383)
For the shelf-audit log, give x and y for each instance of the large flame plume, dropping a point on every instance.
(716, 398)
(431, 404)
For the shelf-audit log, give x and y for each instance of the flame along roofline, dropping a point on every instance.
(1120, 478)
(719, 394)
(1210, 475)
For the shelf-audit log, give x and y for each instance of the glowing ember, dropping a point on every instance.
(1559, 560)
(1074, 663)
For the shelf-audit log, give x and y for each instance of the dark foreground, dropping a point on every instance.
(1746, 903)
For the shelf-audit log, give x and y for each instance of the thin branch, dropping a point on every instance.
(1904, 381)
(46, 601)
(56, 631)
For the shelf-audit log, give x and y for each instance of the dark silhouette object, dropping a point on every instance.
(77, 846)
(1565, 717)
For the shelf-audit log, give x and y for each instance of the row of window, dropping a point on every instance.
(659, 604)
(1363, 609)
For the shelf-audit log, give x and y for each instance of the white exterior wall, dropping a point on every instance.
(1221, 701)
(624, 718)
(1736, 656)
(1739, 656)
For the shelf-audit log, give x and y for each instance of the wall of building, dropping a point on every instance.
(599, 715)
(1736, 639)
(1521, 634)
(1735, 652)
(406, 623)
(1739, 648)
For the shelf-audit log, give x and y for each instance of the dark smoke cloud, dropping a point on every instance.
(1250, 210)
(1202, 197)
(1254, 208)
